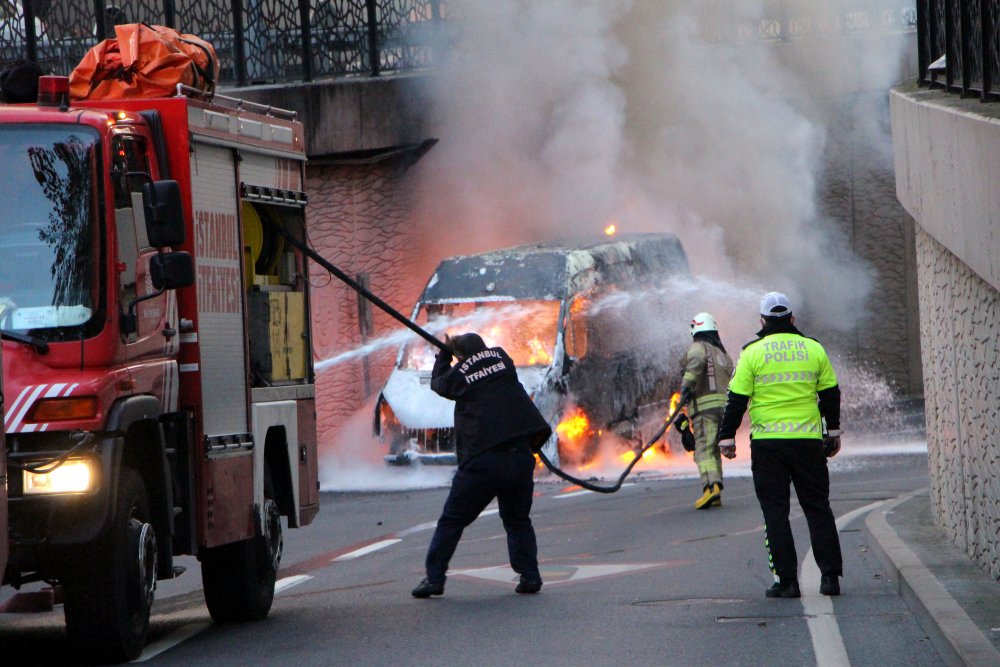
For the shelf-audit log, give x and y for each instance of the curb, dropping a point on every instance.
(955, 636)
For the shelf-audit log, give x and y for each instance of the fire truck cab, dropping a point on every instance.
(581, 322)
(156, 353)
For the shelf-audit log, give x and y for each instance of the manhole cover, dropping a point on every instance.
(683, 601)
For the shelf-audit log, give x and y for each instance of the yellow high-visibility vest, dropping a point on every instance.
(781, 373)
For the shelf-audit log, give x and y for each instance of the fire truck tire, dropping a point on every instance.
(239, 578)
(109, 598)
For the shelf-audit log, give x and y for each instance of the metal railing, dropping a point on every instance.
(257, 41)
(959, 46)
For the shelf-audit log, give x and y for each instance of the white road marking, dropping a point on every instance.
(288, 582)
(363, 551)
(418, 528)
(828, 644)
(170, 641)
(556, 574)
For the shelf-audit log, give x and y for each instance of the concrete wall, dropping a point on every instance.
(352, 115)
(945, 156)
(858, 192)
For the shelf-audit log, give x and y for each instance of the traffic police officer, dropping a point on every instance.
(496, 428)
(707, 370)
(789, 384)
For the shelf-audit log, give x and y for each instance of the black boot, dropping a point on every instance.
(528, 585)
(786, 588)
(428, 588)
(829, 584)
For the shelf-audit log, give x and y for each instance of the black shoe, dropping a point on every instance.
(527, 585)
(829, 584)
(782, 589)
(427, 588)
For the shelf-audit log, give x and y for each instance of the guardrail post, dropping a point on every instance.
(30, 38)
(239, 44)
(306, 36)
(986, 28)
(923, 43)
(100, 28)
(169, 14)
(373, 55)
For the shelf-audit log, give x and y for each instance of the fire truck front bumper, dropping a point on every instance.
(63, 503)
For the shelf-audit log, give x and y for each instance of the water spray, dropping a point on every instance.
(430, 338)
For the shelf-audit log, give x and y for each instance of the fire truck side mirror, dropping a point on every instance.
(164, 213)
(171, 270)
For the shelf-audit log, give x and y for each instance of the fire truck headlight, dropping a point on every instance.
(73, 476)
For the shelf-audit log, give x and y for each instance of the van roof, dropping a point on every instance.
(555, 271)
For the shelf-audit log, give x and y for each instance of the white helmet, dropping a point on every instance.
(703, 322)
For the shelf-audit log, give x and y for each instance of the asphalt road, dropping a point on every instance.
(634, 577)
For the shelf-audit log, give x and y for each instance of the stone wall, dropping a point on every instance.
(358, 220)
(960, 337)
(858, 193)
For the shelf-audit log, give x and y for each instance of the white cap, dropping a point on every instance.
(775, 304)
(703, 322)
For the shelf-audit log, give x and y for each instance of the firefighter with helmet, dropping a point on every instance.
(704, 387)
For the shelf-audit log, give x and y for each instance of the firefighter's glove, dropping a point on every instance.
(727, 448)
(831, 444)
(686, 396)
(683, 426)
(448, 351)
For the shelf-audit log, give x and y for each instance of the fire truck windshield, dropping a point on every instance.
(48, 246)
(526, 330)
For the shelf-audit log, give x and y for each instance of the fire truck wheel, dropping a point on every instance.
(108, 599)
(239, 578)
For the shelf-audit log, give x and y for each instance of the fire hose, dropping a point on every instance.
(430, 338)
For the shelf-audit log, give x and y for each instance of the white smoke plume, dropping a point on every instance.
(557, 118)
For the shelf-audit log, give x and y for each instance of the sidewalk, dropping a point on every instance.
(956, 602)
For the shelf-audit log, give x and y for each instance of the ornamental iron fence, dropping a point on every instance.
(256, 41)
(958, 45)
(263, 41)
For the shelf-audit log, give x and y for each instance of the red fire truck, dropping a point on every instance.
(156, 353)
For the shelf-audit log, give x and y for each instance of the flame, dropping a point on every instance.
(610, 229)
(575, 426)
(537, 354)
(674, 400)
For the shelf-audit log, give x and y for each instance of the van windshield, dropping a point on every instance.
(526, 330)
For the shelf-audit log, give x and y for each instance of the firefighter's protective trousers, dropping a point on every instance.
(505, 473)
(775, 463)
(705, 426)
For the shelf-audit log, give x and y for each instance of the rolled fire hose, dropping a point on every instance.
(416, 328)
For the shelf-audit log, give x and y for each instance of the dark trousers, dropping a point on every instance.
(775, 464)
(504, 474)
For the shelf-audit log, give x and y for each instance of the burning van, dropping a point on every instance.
(584, 324)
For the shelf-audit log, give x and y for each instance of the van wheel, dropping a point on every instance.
(239, 578)
(108, 599)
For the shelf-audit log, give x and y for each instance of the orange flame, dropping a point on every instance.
(537, 354)
(574, 426)
(674, 400)
(610, 229)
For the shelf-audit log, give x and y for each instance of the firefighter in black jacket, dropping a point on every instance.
(496, 427)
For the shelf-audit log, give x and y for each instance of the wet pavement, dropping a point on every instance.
(955, 601)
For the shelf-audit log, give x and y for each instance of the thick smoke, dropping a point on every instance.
(557, 118)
